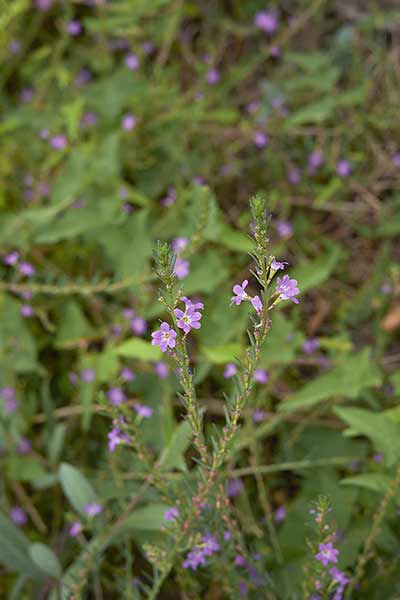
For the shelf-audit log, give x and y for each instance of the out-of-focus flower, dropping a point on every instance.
(58, 142)
(234, 487)
(138, 325)
(132, 61)
(280, 514)
(11, 259)
(171, 514)
(92, 509)
(310, 345)
(143, 411)
(128, 122)
(74, 28)
(127, 374)
(18, 516)
(181, 268)
(75, 529)
(343, 168)
(213, 76)
(230, 370)
(267, 21)
(260, 139)
(284, 229)
(161, 369)
(88, 375)
(116, 396)
(261, 376)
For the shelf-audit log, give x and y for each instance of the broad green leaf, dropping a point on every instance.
(315, 112)
(318, 270)
(24, 468)
(76, 487)
(73, 325)
(207, 272)
(137, 348)
(222, 354)
(346, 380)
(45, 559)
(149, 517)
(233, 239)
(377, 482)
(378, 428)
(14, 549)
(172, 457)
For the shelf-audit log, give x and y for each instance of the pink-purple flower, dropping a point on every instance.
(284, 229)
(116, 396)
(74, 28)
(115, 437)
(261, 376)
(213, 76)
(11, 259)
(240, 293)
(172, 514)
(266, 20)
(143, 411)
(75, 529)
(181, 268)
(188, 319)
(138, 325)
(132, 61)
(276, 265)
(128, 122)
(260, 139)
(230, 370)
(161, 369)
(257, 304)
(92, 509)
(127, 374)
(197, 555)
(18, 516)
(327, 554)
(58, 142)
(164, 337)
(343, 168)
(287, 289)
(26, 269)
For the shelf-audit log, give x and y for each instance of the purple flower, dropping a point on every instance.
(73, 378)
(213, 76)
(24, 446)
(339, 576)
(88, 375)
(396, 159)
(138, 325)
(240, 561)
(181, 268)
(343, 168)
(116, 396)
(257, 304)
(14, 47)
(82, 78)
(43, 5)
(26, 269)
(89, 119)
(18, 516)
(199, 180)
(171, 514)
(310, 345)
(148, 47)
(294, 176)
(266, 21)
(128, 313)
(132, 61)
(261, 376)
(143, 411)
(234, 487)
(378, 457)
(188, 319)
(230, 370)
(243, 589)
(280, 514)
(128, 122)
(44, 134)
(27, 310)
(75, 529)
(58, 142)
(287, 289)
(275, 51)
(27, 95)
(74, 28)
(93, 508)
(161, 369)
(260, 139)
(164, 337)
(170, 198)
(179, 243)
(241, 295)
(276, 265)
(258, 415)
(190, 304)
(210, 544)
(11, 259)
(284, 229)
(327, 554)
(127, 374)
(315, 161)
(115, 437)
(194, 559)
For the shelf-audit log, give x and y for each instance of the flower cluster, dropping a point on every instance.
(198, 554)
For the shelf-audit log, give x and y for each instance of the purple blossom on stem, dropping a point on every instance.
(128, 122)
(82, 78)
(213, 76)
(257, 304)
(315, 161)
(58, 142)
(127, 374)
(179, 243)
(294, 176)
(26, 311)
(24, 446)
(116, 396)
(115, 437)
(138, 325)
(26, 269)
(276, 265)
(92, 509)
(188, 319)
(266, 21)
(287, 289)
(43, 5)
(143, 411)
(230, 370)
(190, 304)
(11, 259)
(161, 369)
(164, 337)
(310, 346)
(343, 168)
(14, 47)
(260, 139)
(132, 61)
(338, 576)
(327, 554)
(74, 28)
(89, 119)
(194, 559)
(181, 268)
(171, 514)
(284, 229)
(280, 514)
(258, 415)
(88, 375)
(170, 198)
(18, 516)
(75, 529)
(261, 376)
(240, 294)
